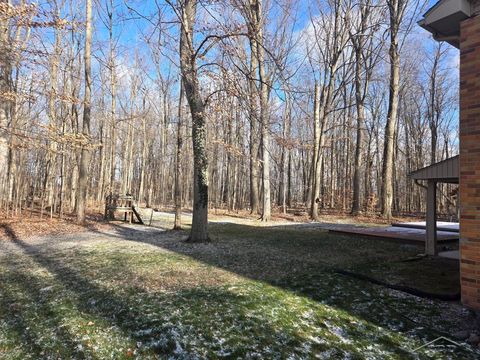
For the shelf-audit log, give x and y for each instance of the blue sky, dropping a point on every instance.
(130, 25)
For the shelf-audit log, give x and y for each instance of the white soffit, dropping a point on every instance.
(446, 8)
(443, 19)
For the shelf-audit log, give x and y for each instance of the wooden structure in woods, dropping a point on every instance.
(124, 204)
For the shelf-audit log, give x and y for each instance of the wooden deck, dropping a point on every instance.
(451, 254)
(406, 234)
(441, 225)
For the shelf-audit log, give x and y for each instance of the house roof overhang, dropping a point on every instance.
(444, 18)
(446, 171)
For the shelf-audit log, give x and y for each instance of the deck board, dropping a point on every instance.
(413, 235)
(441, 225)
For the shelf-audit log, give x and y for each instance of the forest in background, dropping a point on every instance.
(277, 104)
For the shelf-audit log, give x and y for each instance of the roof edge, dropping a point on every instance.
(432, 165)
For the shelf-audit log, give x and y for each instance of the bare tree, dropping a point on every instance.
(264, 111)
(396, 10)
(253, 118)
(188, 10)
(5, 70)
(316, 161)
(436, 98)
(331, 37)
(256, 113)
(178, 168)
(85, 153)
(367, 53)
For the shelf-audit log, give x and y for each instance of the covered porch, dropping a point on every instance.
(458, 23)
(446, 171)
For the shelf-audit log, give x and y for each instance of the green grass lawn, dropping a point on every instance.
(253, 292)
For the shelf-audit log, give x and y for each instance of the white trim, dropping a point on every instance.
(446, 8)
(443, 19)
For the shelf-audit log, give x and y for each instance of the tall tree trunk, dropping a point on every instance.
(61, 204)
(5, 70)
(285, 155)
(289, 174)
(225, 194)
(358, 162)
(264, 111)
(143, 163)
(178, 166)
(113, 99)
(199, 231)
(85, 153)
(433, 113)
(52, 147)
(164, 150)
(253, 117)
(12, 171)
(102, 158)
(316, 152)
(396, 11)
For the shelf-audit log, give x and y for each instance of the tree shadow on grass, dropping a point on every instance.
(23, 299)
(157, 324)
(166, 323)
(299, 262)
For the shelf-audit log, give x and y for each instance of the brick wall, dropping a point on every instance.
(476, 6)
(470, 161)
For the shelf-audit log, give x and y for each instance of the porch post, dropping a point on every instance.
(431, 235)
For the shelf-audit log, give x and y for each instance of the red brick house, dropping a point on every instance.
(458, 23)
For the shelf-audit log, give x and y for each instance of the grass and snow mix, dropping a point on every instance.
(252, 292)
